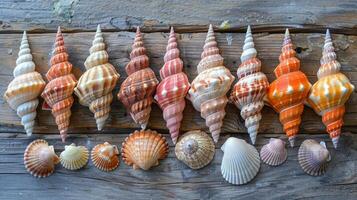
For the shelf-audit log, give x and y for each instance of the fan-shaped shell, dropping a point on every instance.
(195, 148)
(274, 153)
(105, 156)
(40, 159)
(143, 149)
(240, 162)
(74, 157)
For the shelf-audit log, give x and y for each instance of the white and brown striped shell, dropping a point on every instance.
(274, 153)
(105, 156)
(74, 157)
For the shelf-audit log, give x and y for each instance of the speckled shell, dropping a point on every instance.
(172, 90)
(74, 157)
(136, 92)
(248, 93)
(289, 91)
(143, 149)
(23, 90)
(58, 92)
(195, 148)
(330, 93)
(208, 90)
(240, 162)
(94, 88)
(105, 156)
(313, 157)
(40, 159)
(274, 153)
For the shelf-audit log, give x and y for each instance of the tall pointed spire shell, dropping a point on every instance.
(172, 90)
(94, 88)
(27, 85)
(289, 91)
(208, 90)
(330, 93)
(249, 91)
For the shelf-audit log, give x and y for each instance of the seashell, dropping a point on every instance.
(240, 162)
(248, 93)
(40, 159)
(274, 153)
(313, 157)
(94, 88)
(330, 93)
(172, 90)
(143, 149)
(58, 92)
(208, 90)
(195, 148)
(105, 156)
(136, 92)
(289, 91)
(74, 157)
(23, 90)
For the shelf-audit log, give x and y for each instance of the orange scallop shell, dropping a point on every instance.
(105, 156)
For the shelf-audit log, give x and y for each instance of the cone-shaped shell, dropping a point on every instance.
(240, 162)
(105, 156)
(143, 149)
(195, 148)
(23, 90)
(330, 93)
(74, 157)
(249, 91)
(40, 159)
(313, 157)
(94, 88)
(208, 90)
(289, 91)
(172, 90)
(58, 92)
(274, 153)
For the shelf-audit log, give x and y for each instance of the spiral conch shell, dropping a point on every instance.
(248, 93)
(274, 153)
(143, 149)
(22, 92)
(195, 148)
(74, 157)
(172, 90)
(136, 92)
(208, 90)
(105, 156)
(94, 88)
(289, 91)
(330, 93)
(58, 92)
(40, 159)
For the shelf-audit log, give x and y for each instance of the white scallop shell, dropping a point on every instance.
(274, 153)
(74, 157)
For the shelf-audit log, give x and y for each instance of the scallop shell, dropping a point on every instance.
(240, 162)
(23, 90)
(143, 149)
(105, 156)
(274, 153)
(40, 159)
(313, 157)
(195, 148)
(74, 157)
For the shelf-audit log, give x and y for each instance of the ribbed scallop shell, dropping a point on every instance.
(208, 90)
(74, 157)
(249, 91)
(105, 156)
(195, 148)
(58, 92)
(240, 162)
(143, 149)
(172, 90)
(40, 159)
(136, 92)
(289, 91)
(274, 153)
(313, 157)
(94, 88)
(23, 90)
(330, 93)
